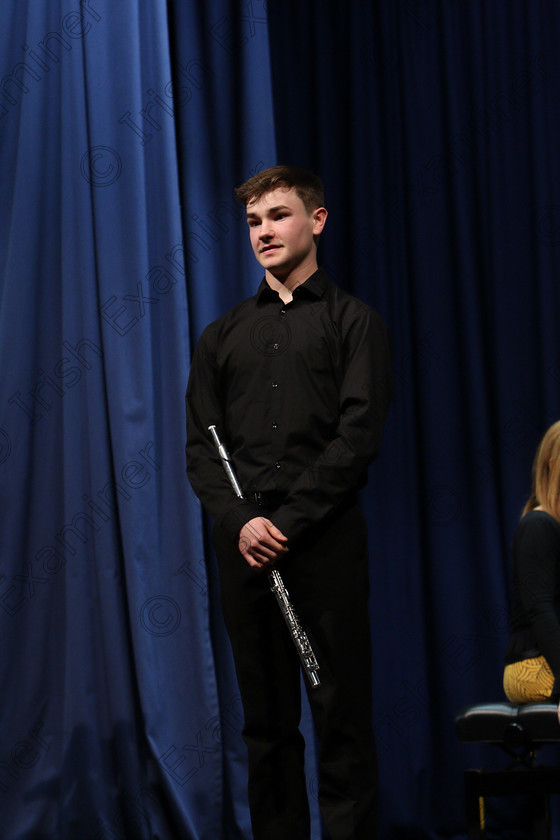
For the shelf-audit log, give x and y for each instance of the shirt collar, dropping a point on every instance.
(313, 287)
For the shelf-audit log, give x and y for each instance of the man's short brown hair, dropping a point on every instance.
(307, 185)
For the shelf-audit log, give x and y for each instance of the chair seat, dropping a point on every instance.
(511, 726)
(520, 730)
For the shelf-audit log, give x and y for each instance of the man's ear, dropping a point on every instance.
(320, 217)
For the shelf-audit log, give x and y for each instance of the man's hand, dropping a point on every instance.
(261, 543)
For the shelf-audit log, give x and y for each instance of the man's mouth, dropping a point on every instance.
(266, 248)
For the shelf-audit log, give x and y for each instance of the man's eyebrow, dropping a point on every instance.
(251, 215)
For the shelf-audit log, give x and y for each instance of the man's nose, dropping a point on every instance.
(266, 229)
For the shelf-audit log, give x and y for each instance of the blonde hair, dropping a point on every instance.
(545, 491)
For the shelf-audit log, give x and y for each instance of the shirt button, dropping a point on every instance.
(276, 347)
(277, 465)
(275, 384)
(275, 425)
(282, 312)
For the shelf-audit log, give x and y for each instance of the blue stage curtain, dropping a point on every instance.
(124, 128)
(435, 126)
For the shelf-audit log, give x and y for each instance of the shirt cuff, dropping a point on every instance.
(234, 519)
(284, 522)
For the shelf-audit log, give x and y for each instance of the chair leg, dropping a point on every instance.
(474, 804)
(477, 783)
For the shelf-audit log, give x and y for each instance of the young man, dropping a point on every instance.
(297, 380)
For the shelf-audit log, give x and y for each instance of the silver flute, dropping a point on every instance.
(298, 634)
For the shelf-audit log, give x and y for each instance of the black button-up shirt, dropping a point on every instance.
(299, 392)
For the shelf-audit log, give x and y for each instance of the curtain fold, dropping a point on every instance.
(112, 722)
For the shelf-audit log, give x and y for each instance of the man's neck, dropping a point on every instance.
(286, 286)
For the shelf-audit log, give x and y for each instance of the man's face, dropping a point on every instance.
(282, 231)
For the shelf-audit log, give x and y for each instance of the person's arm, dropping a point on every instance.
(204, 466)
(537, 552)
(365, 394)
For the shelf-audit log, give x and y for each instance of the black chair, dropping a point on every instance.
(520, 731)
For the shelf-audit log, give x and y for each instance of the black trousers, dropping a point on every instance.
(327, 579)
